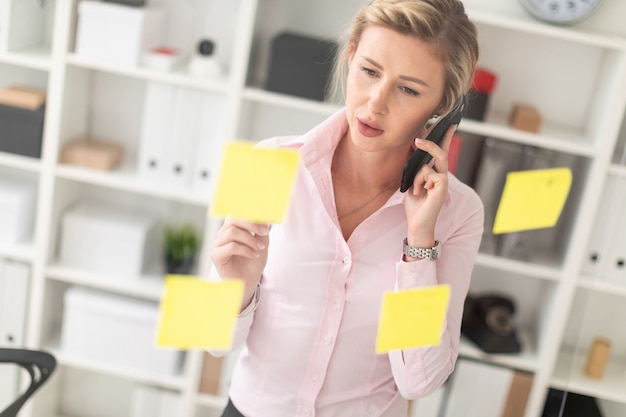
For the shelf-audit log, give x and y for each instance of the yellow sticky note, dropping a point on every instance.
(412, 318)
(532, 199)
(255, 183)
(196, 313)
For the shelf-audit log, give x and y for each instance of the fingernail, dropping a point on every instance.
(419, 140)
(260, 245)
(264, 230)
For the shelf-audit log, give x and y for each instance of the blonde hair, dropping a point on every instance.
(442, 24)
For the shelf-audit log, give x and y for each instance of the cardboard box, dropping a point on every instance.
(117, 33)
(17, 210)
(211, 373)
(23, 97)
(113, 330)
(109, 239)
(525, 118)
(92, 153)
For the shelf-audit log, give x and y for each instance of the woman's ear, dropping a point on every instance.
(351, 51)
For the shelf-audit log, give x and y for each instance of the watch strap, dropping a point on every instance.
(422, 253)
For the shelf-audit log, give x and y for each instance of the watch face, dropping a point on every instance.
(561, 11)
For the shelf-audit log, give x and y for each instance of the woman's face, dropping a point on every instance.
(395, 84)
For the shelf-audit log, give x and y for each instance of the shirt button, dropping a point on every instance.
(326, 339)
(316, 377)
(346, 259)
(337, 301)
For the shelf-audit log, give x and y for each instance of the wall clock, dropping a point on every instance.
(562, 12)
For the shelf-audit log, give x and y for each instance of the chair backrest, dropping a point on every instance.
(39, 365)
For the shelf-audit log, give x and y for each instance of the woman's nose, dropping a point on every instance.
(378, 97)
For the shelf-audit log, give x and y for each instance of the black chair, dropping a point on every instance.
(39, 365)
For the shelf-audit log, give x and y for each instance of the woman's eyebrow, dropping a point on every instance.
(404, 77)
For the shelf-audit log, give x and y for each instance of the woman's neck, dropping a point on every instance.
(367, 170)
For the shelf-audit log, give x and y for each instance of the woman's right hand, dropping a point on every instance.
(240, 251)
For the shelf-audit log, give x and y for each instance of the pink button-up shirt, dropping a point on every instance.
(310, 345)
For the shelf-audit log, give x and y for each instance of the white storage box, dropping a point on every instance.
(114, 330)
(117, 33)
(17, 211)
(108, 239)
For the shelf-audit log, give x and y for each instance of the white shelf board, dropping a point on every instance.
(291, 102)
(569, 376)
(126, 179)
(146, 286)
(618, 170)
(555, 137)
(21, 162)
(526, 360)
(177, 76)
(546, 269)
(23, 251)
(173, 382)
(211, 401)
(524, 23)
(34, 57)
(605, 285)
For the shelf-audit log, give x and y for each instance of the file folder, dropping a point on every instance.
(156, 131)
(208, 150)
(14, 286)
(181, 146)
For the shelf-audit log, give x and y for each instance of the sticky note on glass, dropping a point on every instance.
(412, 318)
(196, 313)
(255, 183)
(532, 199)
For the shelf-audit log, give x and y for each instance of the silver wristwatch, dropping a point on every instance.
(422, 253)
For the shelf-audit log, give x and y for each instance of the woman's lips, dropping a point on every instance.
(368, 129)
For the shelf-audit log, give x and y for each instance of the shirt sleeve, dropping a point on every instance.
(420, 371)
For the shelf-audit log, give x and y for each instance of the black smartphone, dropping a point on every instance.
(420, 157)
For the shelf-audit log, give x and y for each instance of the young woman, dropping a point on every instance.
(314, 283)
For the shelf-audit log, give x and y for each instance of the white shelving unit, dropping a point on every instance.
(575, 76)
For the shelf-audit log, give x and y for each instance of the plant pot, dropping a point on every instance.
(180, 267)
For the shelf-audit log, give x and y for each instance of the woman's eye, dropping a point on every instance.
(369, 71)
(410, 91)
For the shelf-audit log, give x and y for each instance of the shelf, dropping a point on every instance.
(554, 137)
(21, 162)
(291, 102)
(126, 179)
(33, 57)
(618, 171)
(212, 401)
(24, 252)
(612, 287)
(526, 360)
(524, 23)
(174, 382)
(149, 287)
(176, 77)
(546, 269)
(569, 376)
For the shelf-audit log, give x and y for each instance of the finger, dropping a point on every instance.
(428, 179)
(440, 156)
(241, 236)
(221, 255)
(419, 182)
(262, 229)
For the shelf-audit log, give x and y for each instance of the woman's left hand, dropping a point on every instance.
(424, 200)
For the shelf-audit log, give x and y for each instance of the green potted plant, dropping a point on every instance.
(180, 248)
